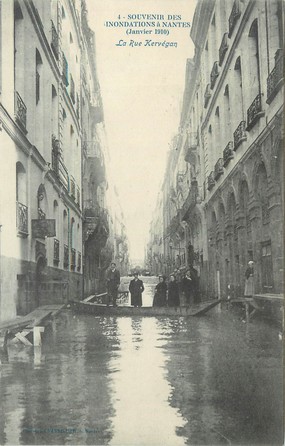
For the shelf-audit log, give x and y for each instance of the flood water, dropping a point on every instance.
(145, 381)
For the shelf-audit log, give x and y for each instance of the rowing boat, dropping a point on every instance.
(99, 309)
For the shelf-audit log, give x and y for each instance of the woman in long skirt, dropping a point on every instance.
(173, 293)
(249, 280)
(160, 293)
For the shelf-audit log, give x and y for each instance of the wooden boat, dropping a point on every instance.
(99, 309)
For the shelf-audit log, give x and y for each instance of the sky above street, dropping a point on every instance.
(142, 89)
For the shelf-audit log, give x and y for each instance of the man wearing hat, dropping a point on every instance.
(249, 280)
(136, 289)
(113, 282)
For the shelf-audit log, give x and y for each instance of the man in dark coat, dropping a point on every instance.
(187, 287)
(136, 289)
(113, 282)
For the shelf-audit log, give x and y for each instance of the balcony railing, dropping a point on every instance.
(22, 219)
(54, 40)
(64, 70)
(228, 153)
(223, 48)
(66, 256)
(207, 95)
(254, 112)
(219, 169)
(214, 74)
(20, 111)
(78, 261)
(73, 259)
(275, 78)
(210, 181)
(234, 16)
(55, 252)
(72, 187)
(72, 89)
(239, 134)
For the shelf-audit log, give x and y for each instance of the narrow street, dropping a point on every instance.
(145, 381)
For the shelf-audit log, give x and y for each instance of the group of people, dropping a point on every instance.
(165, 294)
(171, 294)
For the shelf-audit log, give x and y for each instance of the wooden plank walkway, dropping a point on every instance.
(22, 326)
(258, 303)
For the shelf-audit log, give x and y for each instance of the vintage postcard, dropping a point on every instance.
(141, 222)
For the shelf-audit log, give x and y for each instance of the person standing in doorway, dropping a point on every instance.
(136, 289)
(113, 282)
(249, 280)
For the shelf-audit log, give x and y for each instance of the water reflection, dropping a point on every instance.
(144, 381)
(142, 413)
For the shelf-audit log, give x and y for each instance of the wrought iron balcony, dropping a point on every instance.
(214, 74)
(73, 259)
(22, 218)
(219, 169)
(210, 181)
(72, 89)
(66, 256)
(275, 78)
(254, 112)
(54, 40)
(65, 70)
(223, 48)
(55, 252)
(78, 261)
(207, 95)
(95, 219)
(228, 153)
(20, 111)
(234, 16)
(239, 134)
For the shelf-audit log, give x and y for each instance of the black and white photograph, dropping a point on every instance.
(141, 222)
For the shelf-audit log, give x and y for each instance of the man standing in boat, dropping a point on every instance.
(113, 282)
(136, 289)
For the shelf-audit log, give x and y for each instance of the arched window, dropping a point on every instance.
(261, 193)
(238, 91)
(253, 59)
(19, 51)
(21, 184)
(54, 115)
(21, 199)
(227, 115)
(39, 64)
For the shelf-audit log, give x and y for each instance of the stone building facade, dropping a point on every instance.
(231, 139)
(50, 106)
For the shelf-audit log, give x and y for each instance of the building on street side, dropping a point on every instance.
(227, 195)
